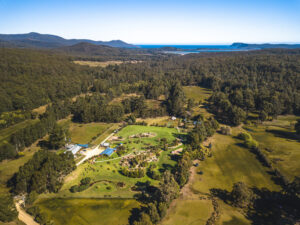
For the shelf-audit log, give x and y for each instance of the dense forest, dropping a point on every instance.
(31, 78)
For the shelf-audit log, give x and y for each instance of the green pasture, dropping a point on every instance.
(278, 140)
(229, 164)
(88, 211)
(192, 212)
(197, 93)
(86, 133)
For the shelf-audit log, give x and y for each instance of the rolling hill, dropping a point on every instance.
(36, 40)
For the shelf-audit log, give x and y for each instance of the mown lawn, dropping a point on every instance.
(278, 140)
(88, 211)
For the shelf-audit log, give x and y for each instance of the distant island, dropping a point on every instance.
(263, 46)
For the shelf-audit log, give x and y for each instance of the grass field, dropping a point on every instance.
(102, 64)
(7, 132)
(86, 133)
(197, 93)
(190, 212)
(88, 211)
(161, 132)
(231, 163)
(278, 141)
(9, 167)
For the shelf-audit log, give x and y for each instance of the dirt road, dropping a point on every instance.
(25, 217)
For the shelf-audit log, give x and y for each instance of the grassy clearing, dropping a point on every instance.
(103, 64)
(231, 163)
(190, 212)
(163, 120)
(231, 215)
(9, 167)
(161, 132)
(7, 132)
(86, 133)
(97, 64)
(199, 94)
(278, 141)
(88, 211)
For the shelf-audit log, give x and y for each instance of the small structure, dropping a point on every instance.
(83, 146)
(173, 118)
(73, 148)
(108, 151)
(105, 144)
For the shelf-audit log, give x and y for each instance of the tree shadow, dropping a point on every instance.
(166, 167)
(235, 221)
(224, 195)
(284, 134)
(268, 207)
(276, 208)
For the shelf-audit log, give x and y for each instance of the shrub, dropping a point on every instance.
(244, 136)
(74, 188)
(250, 143)
(85, 181)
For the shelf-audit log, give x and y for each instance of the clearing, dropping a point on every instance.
(278, 140)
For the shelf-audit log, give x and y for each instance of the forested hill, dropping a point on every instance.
(30, 78)
(37, 40)
(103, 52)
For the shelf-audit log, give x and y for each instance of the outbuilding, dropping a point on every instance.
(108, 151)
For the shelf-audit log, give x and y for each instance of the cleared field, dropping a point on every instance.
(88, 211)
(231, 163)
(163, 120)
(161, 132)
(86, 133)
(103, 64)
(9, 167)
(231, 215)
(197, 93)
(279, 142)
(7, 132)
(190, 212)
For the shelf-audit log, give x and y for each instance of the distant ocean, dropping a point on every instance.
(187, 49)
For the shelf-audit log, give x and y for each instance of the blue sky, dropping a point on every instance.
(157, 22)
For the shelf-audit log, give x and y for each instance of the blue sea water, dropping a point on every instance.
(189, 46)
(187, 49)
